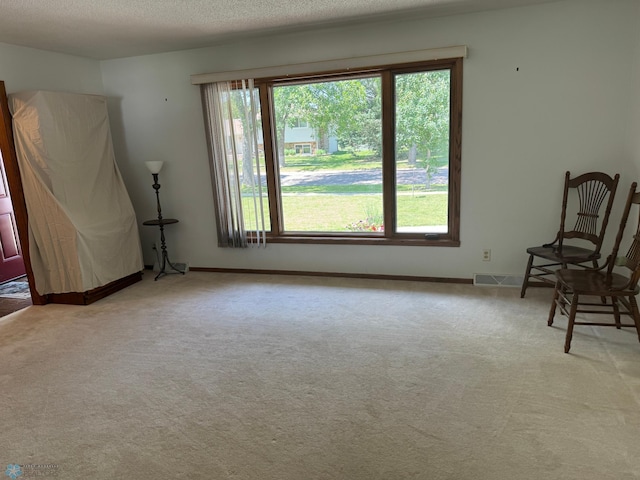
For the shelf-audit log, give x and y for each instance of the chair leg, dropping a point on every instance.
(552, 312)
(616, 312)
(525, 281)
(572, 319)
(563, 296)
(635, 313)
(602, 299)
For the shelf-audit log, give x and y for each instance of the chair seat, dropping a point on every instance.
(570, 254)
(590, 282)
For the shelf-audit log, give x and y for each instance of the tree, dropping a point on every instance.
(287, 101)
(338, 107)
(422, 113)
(365, 127)
(347, 109)
(351, 110)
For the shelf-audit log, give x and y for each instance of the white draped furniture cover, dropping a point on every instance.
(83, 232)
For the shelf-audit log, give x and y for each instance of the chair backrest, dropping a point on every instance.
(592, 189)
(632, 259)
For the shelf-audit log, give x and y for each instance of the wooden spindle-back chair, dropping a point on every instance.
(619, 289)
(593, 194)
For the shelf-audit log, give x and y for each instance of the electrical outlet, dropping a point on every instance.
(486, 255)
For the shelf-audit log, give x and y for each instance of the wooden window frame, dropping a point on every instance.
(389, 237)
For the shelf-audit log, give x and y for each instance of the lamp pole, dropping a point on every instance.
(161, 222)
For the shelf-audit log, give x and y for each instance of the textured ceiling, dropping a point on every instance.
(104, 29)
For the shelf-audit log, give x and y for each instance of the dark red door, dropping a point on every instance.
(11, 262)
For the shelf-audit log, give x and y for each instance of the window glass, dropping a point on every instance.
(422, 123)
(333, 181)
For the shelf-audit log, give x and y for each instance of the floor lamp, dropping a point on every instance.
(155, 167)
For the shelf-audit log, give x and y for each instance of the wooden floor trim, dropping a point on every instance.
(90, 296)
(410, 278)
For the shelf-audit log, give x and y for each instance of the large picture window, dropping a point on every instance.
(364, 156)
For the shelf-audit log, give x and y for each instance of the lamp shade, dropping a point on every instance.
(154, 166)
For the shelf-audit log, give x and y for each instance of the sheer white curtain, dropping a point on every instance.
(232, 121)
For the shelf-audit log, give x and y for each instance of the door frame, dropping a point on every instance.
(14, 181)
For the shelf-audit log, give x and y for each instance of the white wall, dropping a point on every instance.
(23, 68)
(546, 89)
(634, 124)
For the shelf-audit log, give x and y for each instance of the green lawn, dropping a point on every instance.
(332, 213)
(334, 161)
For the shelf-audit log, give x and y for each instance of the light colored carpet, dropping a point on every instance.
(223, 376)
